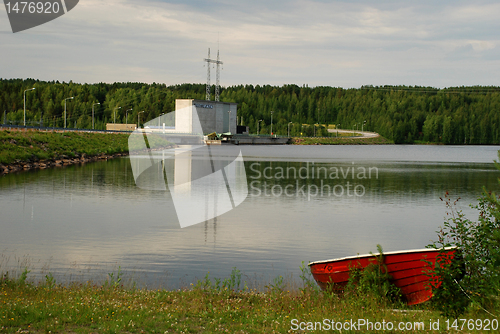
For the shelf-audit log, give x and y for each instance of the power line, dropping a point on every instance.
(435, 91)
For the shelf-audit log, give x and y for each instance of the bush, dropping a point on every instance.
(374, 280)
(478, 244)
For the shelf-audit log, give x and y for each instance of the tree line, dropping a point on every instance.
(455, 115)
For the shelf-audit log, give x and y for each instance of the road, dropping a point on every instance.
(365, 134)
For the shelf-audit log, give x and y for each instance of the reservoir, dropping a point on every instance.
(303, 203)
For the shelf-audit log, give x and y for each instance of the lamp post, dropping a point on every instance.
(25, 104)
(258, 126)
(363, 126)
(289, 129)
(126, 115)
(159, 117)
(68, 98)
(272, 122)
(114, 114)
(93, 114)
(138, 119)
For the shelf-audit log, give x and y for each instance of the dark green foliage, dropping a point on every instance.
(479, 245)
(459, 115)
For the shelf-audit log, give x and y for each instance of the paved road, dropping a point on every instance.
(365, 134)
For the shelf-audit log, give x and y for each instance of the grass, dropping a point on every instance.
(209, 306)
(34, 145)
(340, 141)
(24, 146)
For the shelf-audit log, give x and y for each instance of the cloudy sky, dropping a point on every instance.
(336, 43)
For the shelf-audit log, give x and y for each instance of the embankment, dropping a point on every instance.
(341, 141)
(26, 150)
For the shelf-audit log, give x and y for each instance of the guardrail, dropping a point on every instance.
(38, 128)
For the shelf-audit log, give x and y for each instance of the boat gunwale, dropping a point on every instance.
(356, 257)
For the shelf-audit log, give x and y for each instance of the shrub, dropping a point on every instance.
(478, 243)
(375, 280)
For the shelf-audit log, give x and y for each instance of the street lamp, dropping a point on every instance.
(25, 104)
(68, 98)
(289, 129)
(126, 115)
(159, 117)
(138, 119)
(363, 126)
(272, 122)
(93, 114)
(258, 126)
(114, 114)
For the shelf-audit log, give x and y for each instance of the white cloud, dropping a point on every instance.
(304, 42)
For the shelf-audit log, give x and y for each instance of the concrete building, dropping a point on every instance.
(213, 116)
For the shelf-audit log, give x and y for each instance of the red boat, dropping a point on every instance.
(407, 269)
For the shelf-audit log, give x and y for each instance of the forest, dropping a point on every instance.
(404, 114)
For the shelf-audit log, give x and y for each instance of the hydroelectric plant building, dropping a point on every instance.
(214, 116)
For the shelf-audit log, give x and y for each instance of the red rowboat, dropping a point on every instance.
(407, 269)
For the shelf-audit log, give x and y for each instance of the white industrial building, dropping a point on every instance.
(197, 117)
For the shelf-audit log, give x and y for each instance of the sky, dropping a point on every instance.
(316, 43)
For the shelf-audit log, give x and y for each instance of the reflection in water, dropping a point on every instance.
(211, 180)
(82, 222)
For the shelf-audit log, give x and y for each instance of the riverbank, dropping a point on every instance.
(27, 150)
(206, 307)
(379, 140)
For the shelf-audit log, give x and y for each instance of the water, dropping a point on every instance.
(83, 222)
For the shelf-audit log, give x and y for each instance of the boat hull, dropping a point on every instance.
(409, 271)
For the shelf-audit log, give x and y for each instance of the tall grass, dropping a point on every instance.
(207, 306)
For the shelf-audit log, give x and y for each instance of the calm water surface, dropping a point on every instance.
(82, 222)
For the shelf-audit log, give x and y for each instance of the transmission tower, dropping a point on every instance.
(217, 76)
(208, 60)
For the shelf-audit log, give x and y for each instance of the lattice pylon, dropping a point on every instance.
(217, 76)
(208, 60)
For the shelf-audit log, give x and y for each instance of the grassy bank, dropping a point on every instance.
(207, 307)
(340, 141)
(36, 145)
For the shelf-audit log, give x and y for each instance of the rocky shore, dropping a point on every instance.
(60, 161)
